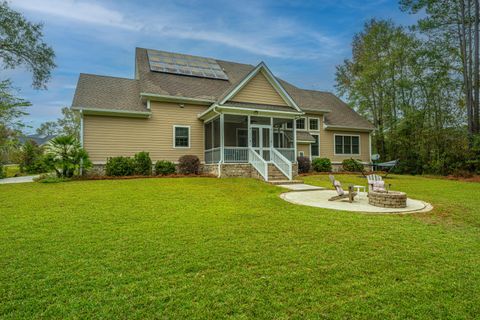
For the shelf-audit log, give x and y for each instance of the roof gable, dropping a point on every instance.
(260, 86)
(259, 90)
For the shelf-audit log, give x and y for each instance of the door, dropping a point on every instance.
(261, 140)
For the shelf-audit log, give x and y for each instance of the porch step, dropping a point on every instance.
(278, 182)
(275, 174)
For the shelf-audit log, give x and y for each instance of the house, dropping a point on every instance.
(239, 119)
(39, 139)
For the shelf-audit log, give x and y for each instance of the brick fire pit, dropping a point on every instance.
(390, 199)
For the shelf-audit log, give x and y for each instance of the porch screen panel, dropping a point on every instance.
(216, 133)
(235, 130)
(208, 136)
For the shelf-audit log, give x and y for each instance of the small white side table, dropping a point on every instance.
(361, 191)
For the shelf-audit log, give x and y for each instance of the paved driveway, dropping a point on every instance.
(18, 179)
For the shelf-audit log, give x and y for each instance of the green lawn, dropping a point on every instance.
(208, 248)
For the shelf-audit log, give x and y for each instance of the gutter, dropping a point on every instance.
(112, 112)
(161, 97)
(330, 127)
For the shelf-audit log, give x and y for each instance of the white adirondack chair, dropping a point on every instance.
(376, 183)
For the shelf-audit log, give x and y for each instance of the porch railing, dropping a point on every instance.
(258, 163)
(282, 163)
(288, 153)
(212, 155)
(235, 154)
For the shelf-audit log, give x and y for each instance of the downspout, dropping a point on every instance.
(81, 140)
(219, 163)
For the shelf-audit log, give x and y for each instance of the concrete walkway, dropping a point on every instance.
(18, 179)
(319, 199)
(300, 187)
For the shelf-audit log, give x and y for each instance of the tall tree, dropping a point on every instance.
(402, 83)
(68, 124)
(455, 24)
(21, 44)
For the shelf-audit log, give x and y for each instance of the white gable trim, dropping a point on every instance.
(262, 67)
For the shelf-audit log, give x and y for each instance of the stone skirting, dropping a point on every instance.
(227, 170)
(391, 199)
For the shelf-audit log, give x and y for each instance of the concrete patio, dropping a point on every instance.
(319, 199)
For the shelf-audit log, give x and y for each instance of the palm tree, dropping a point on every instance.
(65, 155)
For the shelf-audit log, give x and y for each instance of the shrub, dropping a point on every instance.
(45, 178)
(2, 171)
(119, 166)
(322, 165)
(352, 165)
(303, 164)
(189, 164)
(31, 158)
(164, 167)
(66, 156)
(142, 164)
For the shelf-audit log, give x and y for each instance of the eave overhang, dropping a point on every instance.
(177, 99)
(343, 128)
(217, 109)
(112, 112)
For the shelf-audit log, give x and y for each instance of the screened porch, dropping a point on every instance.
(229, 138)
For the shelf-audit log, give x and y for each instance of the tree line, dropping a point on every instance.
(419, 86)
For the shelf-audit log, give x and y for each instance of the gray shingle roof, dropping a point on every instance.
(103, 92)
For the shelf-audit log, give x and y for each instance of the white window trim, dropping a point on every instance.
(189, 133)
(306, 124)
(311, 145)
(301, 153)
(318, 122)
(348, 154)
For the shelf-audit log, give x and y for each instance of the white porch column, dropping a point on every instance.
(249, 133)
(271, 133)
(222, 139)
(295, 139)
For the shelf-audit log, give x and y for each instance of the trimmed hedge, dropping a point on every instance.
(163, 167)
(303, 164)
(3, 174)
(119, 166)
(352, 165)
(189, 164)
(322, 165)
(142, 164)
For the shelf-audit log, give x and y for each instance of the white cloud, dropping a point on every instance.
(259, 33)
(81, 11)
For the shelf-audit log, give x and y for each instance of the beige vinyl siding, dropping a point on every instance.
(118, 136)
(259, 90)
(303, 147)
(327, 146)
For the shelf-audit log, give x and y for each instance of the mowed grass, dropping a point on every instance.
(215, 248)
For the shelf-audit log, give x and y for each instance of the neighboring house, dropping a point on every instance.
(239, 119)
(40, 140)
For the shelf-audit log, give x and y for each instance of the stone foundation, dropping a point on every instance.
(391, 199)
(227, 170)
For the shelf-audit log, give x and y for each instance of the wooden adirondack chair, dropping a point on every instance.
(341, 193)
(376, 183)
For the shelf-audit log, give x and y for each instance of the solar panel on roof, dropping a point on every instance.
(185, 65)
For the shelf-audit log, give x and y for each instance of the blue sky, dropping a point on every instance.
(301, 41)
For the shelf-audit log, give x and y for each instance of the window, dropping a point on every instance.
(315, 147)
(290, 124)
(301, 125)
(301, 154)
(313, 123)
(181, 136)
(347, 144)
